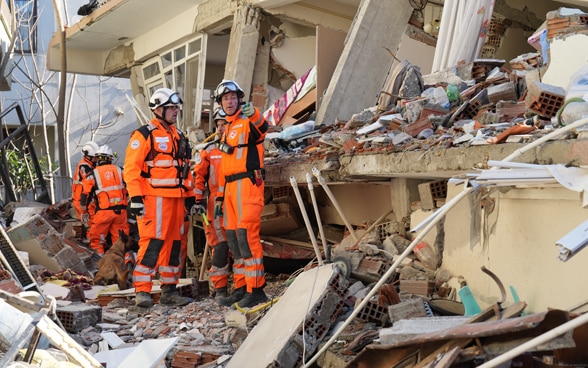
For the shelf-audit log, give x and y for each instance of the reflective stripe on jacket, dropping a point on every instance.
(109, 188)
(151, 165)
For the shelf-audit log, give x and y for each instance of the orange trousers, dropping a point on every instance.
(243, 205)
(159, 243)
(216, 238)
(106, 222)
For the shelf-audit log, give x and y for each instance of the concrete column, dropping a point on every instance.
(243, 47)
(364, 63)
(259, 93)
(402, 197)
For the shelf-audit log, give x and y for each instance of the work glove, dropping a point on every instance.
(248, 109)
(137, 209)
(199, 208)
(85, 218)
(218, 207)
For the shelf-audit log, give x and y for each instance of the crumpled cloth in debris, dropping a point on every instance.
(71, 277)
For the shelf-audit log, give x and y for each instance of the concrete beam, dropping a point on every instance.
(357, 80)
(524, 17)
(432, 165)
(339, 18)
(214, 16)
(243, 47)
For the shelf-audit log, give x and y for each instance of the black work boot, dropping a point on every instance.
(220, 293)
(143, 299)
(170, 296)
(237, 295)
(257, 296)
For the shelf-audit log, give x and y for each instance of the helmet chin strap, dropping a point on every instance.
(161, 117)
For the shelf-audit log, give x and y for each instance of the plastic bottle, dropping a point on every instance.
(426, 255)
(452, 92)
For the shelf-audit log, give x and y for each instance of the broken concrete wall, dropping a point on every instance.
(516, 240)
(359, 202)
(417, 53)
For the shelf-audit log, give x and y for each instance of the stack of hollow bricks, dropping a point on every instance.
(544, 99)
(560, 25)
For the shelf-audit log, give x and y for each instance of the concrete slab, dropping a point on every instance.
(308, 307)
(407, 328)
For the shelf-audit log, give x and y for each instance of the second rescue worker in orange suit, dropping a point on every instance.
(105, 187)
(155, 172)
(84, 168)
(206, 172)
(241, 186)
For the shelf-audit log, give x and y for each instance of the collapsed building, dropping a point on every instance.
(490, 178)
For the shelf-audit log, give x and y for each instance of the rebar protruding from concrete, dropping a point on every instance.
(319, 222)
(439, 214)
(536, 341)
(322, 182)
(306, 220)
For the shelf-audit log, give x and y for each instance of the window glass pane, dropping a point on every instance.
(180, 78)
(194, 46)
(26, 32)
(154, 87)
(151, 71)
(179, 53)
(169, 79)
(166, 60)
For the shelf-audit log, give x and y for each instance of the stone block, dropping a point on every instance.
(77, 316)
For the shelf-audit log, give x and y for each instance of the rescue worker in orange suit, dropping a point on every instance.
(105, 187)
(240, 194)
(155, 173)
(206, 172)
(85, 167)
(190, 210)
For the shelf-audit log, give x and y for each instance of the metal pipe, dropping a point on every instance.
(306, 220)
(319, 222)
(439, 214)
(322, 182)
(543, 338)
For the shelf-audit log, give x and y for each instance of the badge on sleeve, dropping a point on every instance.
(198, 160)
(135, 144)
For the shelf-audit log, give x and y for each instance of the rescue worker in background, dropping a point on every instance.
(155, 173)
(105, 187)
(206, 172)
(240, 194)
(185, 232)
(85, 167)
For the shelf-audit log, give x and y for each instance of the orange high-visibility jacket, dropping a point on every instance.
(153, 165)
(107, 184)
(206, 170)
(85, 167)
(246, 136)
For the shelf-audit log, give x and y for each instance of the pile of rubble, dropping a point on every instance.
(487, 101)
(412, 314)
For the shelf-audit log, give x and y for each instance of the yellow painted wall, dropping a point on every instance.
(521, 250)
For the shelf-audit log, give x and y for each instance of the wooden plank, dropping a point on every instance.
(301, 106)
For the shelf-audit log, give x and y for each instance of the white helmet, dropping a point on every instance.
(164, 97)
(105, 151)
(90, 149)
(225, 87)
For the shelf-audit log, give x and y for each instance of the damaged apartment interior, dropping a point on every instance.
(424, 192)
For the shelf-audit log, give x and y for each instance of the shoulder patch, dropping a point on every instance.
(198, 160)
(135, 144)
